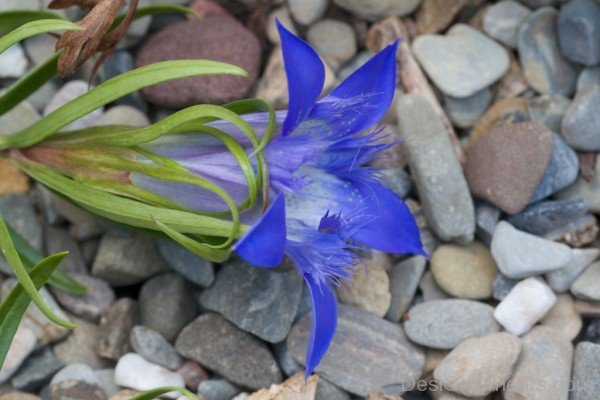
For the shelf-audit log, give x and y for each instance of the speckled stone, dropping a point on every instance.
(465, 112)
(443, 324)
(369, 289)
(465, 272)
(582, 189)
(545, 68)
(508, 178)
(462, 62)
(581, 123)
(367, 353)
(586, 384)
(546, 216)
(502, 20)
(404, 281)
(564, 317)
(217, 37)
(334, 40)
(437, 173)
(587, 285)
(549, 110)
(561, 279)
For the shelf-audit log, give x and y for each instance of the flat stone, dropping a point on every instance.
(544, 368)
(217, 37)
(588, 77)
(545, 68)
(506, 111)
(546, 216)
(84, 224)
(166, 305)
(18, 212)
(466, 272)
(437, 173)
(367, 353)
(397, 180)
(153, 347)
(502, 286)
(122, 115)
(193, 374)
(69, 92)
(334, 40)
(404, 281)
(527, 303)
(18, 118)
(584, 190)
(286, 361)
(549, 110)
(486, 218)
(520, 254)
(58, 239)
(509, 178)
(106, 377)
(465, 112)
(307, 12)
(76, 381)
(578, 27)
(328, 391)
(436, 15)
(36, 371)
(479, 366)
(582, 120)
(564, 317)
(561, 279)
(561, 172)
(133, 371)
(462, 62)
(189, 265)
(586, 384)
(13, 62)
(443, 324)
(428, 238)
(12, 179)
(218, 389)
(220, 346)
(587, 285)
(579, 232)
(257, 300)
(21, 346)
(129, 259)
(430, 290)
(115, 328)
(368, 290)
(80, 346)
(91, 306)
(378, 9)
(502, 20)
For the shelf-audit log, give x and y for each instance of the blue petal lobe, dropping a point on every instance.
(305, 77)
(363, 98)
(324, 322)
(264, 244)
(393, 228)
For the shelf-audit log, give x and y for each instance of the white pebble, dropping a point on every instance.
(22, 345)
(527, 303)
(134, 372)
(13, 62)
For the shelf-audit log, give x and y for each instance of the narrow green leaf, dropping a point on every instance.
(31, 257)
(153, 393)
(11, 20)
(156, 10)
(15, 305)
(201, 249)
(12, 257)
(29, 83)
(111, 90)
(35, 28)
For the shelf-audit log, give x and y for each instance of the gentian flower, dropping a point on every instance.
(327, 202)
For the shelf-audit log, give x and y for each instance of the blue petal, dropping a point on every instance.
(363, 98)
(324, 322)
(305, 77)
(264, 244)
(393, 228)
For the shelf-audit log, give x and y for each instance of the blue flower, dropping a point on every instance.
(327, 202)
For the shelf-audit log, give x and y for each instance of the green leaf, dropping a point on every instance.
(156, 10)
(11, 20)
(15, 305)
(31, 257)
(29, 83)
(12, 257)
(201, 249)
(128, 211)
(35, 28)
(111, 90)
(153, 393)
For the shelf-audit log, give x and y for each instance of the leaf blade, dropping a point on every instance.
(34, 28)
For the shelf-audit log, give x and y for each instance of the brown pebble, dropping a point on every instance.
(587, 165)
(193, 374)
(216, 37)
(506, 165)
(436, 15)
(508, 111)
(12, 180)
(588, 309)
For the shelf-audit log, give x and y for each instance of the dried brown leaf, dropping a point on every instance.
(80, 45)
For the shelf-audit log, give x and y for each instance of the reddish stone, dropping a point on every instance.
(217, 38)
(192, 374)
(506, 165)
